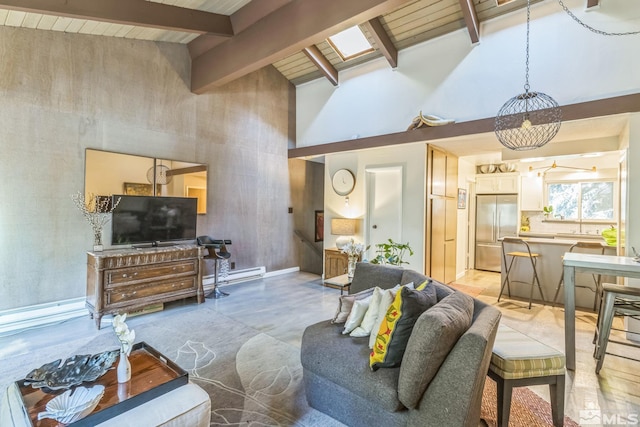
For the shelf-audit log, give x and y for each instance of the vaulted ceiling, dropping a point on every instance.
(231, 38)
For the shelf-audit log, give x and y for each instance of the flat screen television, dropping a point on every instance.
(148, 219)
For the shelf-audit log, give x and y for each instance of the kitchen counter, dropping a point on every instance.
(550, 269)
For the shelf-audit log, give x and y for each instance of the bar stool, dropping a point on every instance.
(217, 251)
(585, 247)
(526, 254)
(617, 300)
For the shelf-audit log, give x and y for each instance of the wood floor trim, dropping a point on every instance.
(583, 110)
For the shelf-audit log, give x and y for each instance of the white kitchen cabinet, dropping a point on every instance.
(531, 193)
(499, 183)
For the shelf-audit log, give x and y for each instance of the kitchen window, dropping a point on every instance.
(581, 201)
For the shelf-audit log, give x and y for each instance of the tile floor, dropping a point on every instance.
(282, 306)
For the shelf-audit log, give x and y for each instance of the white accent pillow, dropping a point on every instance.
(370, 316)
(356, 315)
(386, 300)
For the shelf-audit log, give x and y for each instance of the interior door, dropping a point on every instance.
(384, 206)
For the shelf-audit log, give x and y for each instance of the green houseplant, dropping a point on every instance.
(391, 253)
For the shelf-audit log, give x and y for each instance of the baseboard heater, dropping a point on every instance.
(234, 276)
(40, 315)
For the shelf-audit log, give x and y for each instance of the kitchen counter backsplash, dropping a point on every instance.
(537, 224)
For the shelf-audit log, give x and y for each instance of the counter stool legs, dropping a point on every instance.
(535, 281)
(585, 247)
(618, 300)
(216, 293)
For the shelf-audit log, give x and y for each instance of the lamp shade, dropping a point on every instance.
(343, 226)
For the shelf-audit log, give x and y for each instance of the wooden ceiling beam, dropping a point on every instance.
(583, 110)
(593, 3)
(471, 20)
(323, 64)
(287, 30)
(130, 12)
(383, 41)
(241, 19)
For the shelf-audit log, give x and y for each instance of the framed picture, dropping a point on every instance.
(137, 189)
(319, 231)
(462, 198)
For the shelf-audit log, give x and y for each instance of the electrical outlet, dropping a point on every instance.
(290, 210)
(233, 265)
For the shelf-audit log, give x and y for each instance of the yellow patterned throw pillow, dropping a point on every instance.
(397, 325)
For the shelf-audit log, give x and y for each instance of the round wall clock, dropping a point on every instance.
(343, 182)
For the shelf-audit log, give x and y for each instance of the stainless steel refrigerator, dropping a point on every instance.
(496, 217)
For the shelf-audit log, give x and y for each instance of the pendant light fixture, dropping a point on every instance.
(529, 120)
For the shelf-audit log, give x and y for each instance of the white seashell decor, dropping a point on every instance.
(73, 404)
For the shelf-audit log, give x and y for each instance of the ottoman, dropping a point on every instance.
(186, 406)
(519, 360)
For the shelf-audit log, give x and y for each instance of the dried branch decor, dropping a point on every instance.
(97, 211)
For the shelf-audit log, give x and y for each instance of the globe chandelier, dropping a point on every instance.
(528, 120)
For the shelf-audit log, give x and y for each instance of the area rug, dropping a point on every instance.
(253, 378)
(527, 408)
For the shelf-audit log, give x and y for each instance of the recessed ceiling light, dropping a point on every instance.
(350, 43)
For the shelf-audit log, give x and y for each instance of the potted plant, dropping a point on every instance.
(392, 253)
(547, 210)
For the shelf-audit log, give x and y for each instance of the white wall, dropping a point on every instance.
(450, 78)
(412, 158)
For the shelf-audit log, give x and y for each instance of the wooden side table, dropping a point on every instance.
(343, 282)
(335, 263)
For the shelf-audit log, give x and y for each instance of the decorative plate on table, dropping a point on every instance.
(75, 370)
(73, 404)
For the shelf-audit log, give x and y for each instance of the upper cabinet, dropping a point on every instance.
(531, 193)
(499, 183)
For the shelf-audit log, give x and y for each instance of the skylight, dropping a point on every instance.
(350, 43)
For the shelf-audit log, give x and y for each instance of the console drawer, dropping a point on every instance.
(131, 275)
(152, 290)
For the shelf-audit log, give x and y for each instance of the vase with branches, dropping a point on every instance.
(97, 211)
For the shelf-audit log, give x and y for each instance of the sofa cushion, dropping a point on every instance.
(397, 325)
(435, 333)
(345, 304)
(368, 275)
(388, 295)
(370, 317)
(342, 360)
(358, 311)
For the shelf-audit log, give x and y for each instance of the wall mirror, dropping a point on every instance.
(108, 173)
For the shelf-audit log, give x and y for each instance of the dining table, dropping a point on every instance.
(606, 265)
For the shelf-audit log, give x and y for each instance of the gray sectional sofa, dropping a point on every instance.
(339, 382)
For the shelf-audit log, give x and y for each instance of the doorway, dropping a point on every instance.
(384, 206)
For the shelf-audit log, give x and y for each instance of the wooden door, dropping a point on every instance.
(441, 235)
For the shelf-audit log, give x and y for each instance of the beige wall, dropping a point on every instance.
(61, 93)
